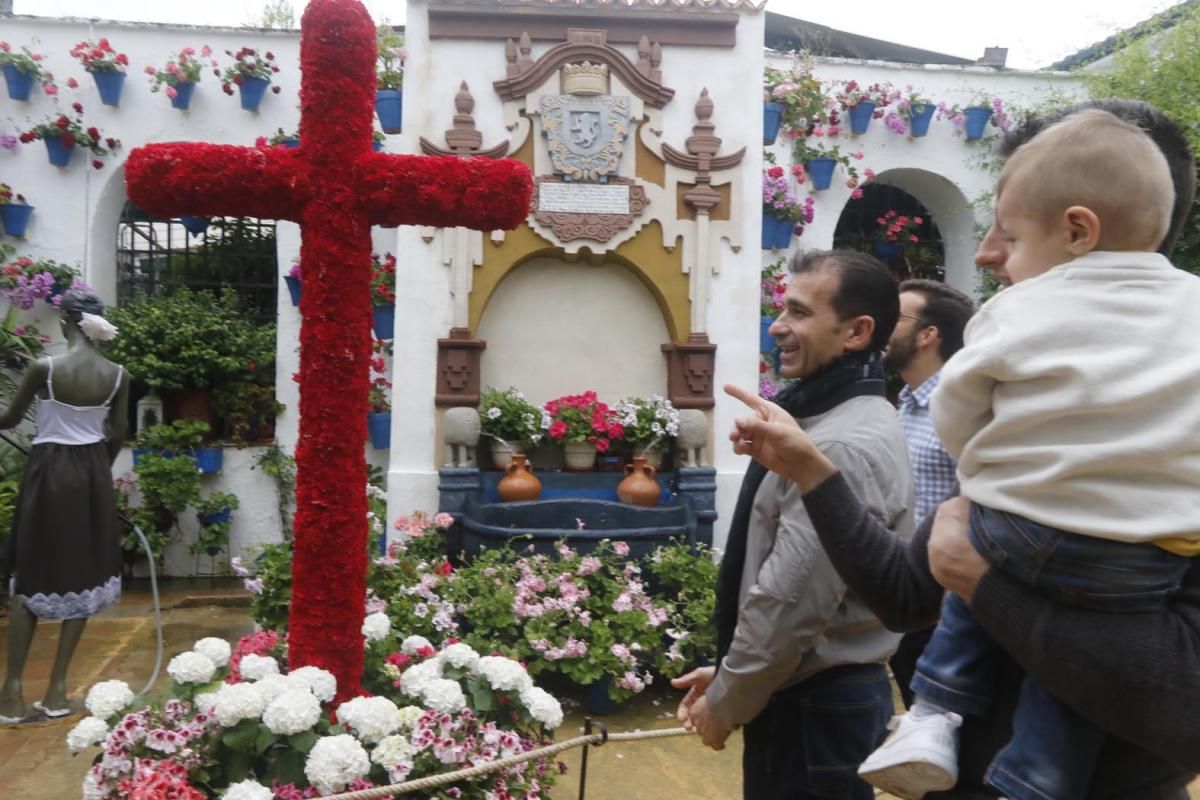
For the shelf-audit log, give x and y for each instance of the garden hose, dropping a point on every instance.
(158, 630)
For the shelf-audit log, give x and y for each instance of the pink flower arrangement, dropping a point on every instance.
(99, 57)
(582, 418)
(185, 67)
(896, 228)
(852, 93)
(780, 201)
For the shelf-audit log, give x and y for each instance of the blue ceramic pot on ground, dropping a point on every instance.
(597, 700)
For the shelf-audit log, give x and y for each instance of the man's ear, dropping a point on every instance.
(929, 336)
(862, 328)
(1083, 230)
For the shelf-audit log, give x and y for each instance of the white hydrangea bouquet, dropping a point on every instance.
(239, 726)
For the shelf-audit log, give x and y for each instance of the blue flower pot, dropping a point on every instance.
(290, 144)
(820, 172)
(15, 217)
(59, 153)
(110, 83)
(294, 288)
(389, 106)
(195, 225)
(376, 146)
(860, 116)
(252, 90)
(772, 117)
(776, 232)
(977, 120)
(766, 342)
(380, 427)
(183, 95)
(919, 117)
(383, 318)
(213, 519)
(20, 84)
(597, 700)
(209, 459)
(888, 250)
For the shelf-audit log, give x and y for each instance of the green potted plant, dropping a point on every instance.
(383, 295)
(14, 211)
(180, 76)
(167, 486)
(583, 425)
(183, 437)
(864, 103)
(389, 78)
(686, 576)
(649, 425)
(213, 513)
(511, 423)
(795, 97)
(251, 73)
(21, 70)
(187, 343)
(820, 157)
(914, 112)
(61, 134)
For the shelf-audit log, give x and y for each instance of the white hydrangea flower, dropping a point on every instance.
(89, 731)
(206, 702)
(217, 650)
(271, 686)
(294, 711)
(254, 667)
(376, 626)
(334, 762)
(504, 674)
(445, 696)
(191, 667)
(409, 716)
(372, 718)
(107, 698)
(92, 790)
(414, 643)
(414, 679)
(392, 750)
(459, 655)
(247, 790)
(236, 702)
(542, 706)
(320, 682)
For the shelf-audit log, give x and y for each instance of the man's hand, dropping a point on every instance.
(953, 560)
(773, 438)
(712, 733)
(696, 682)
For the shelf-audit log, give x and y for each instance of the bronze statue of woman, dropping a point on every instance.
(64, 552)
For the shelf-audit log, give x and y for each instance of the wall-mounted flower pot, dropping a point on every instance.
(377, 146)
(110, 83)
(216, 518)
(888, 250)
(389, 106)
(383, 319)
(294, 288)
(20, 84)
(195, 225)
(251, 90)
(772, 117)
(860, 116)
(976, 122)
(183, 95)
(919, 117)
(58, 153)
(379, 425)
(776, 232)
(15, 217)
(291, 143)
(820, 172)
(209, 459)
(766, 342)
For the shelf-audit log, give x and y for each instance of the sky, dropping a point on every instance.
(1036, 32)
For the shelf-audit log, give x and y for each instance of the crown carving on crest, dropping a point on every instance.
(585, 78)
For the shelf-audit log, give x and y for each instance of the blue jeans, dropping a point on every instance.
(1053, 750)
(810, 739)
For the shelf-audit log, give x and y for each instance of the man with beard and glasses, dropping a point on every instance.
(929, 331)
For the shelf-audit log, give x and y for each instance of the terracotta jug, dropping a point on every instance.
(639, 487)
(520, 483)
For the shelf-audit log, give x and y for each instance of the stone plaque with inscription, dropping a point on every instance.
(584, 198)
(587, 210)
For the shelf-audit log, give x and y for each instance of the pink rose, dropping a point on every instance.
(443, 520)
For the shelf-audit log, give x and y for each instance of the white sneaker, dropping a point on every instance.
(920, 755)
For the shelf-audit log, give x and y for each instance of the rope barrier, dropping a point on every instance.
(434, 781)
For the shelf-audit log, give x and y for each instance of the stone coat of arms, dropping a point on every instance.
(585, 134)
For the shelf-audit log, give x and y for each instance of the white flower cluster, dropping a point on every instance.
(376, 626)
(372, 718)
(247, 790)
(236, 702)
(216, 650)
(334, 762)
(293, 711)
(107, 698)
(414, 643)
(542, 706)
(392, 750)
(254, 667)
(191, 667)
(272, 686)
(89, 731)
(504, 674)
(460, 656)
(318, 681)
(409, 716)
(442, 694)
(418, 676)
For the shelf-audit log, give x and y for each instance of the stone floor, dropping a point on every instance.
(35, 764)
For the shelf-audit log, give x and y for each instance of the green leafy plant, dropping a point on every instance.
(25, 61)
(507, 415)
(213, 536)
(190, 339)
(180, 436)
(72, 132)
(389, 69)
(798, 90)
(383, 279)
(648, 422)
(248, 409)
(686, 577)
(818, 145)
(282, 468)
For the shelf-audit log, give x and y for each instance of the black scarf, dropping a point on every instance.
(853, 375)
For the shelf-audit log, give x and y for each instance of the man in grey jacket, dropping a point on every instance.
(800, 658)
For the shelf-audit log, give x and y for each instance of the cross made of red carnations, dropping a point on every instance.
(336, 188)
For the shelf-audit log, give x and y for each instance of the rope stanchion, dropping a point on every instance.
(433, 781)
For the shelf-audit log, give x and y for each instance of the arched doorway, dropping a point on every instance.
(862, 223)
